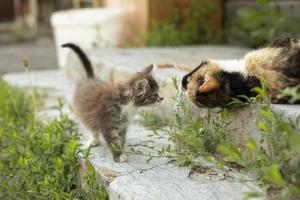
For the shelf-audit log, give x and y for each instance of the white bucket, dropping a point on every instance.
(89, 28)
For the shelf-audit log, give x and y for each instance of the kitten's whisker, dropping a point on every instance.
(178, 55)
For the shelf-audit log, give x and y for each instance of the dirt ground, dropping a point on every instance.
(41, 55)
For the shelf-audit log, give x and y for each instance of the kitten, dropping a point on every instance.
(214, 83)
(108, 109)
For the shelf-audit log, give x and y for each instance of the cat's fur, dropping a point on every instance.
(213, 83)
(107, 109)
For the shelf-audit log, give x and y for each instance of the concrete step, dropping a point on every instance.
(137, 179)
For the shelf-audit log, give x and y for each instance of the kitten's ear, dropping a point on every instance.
(141, 86)
(148, 69)
(210, 84)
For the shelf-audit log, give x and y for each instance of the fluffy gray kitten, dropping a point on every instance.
(107, 109)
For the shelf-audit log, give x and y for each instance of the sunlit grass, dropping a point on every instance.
(40, 160)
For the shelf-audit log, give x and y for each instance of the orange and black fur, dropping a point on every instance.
(213, 84)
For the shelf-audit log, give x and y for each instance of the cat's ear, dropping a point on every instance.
(141, 86)
(210, 84)
(148, 69)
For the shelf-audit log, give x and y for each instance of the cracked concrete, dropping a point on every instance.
(137, 179)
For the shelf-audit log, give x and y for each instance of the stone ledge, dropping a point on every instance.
(160, 179)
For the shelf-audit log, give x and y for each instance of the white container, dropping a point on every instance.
(89, 28)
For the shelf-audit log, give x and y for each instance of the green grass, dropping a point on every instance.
(40, 160)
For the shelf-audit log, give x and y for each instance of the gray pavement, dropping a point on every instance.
(40, 53)
(137, 179)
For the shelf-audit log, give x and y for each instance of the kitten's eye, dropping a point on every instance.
(153, 96)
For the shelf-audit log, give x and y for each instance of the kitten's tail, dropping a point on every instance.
(84, 59)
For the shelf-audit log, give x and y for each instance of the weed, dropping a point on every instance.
(40, 160)
(152, 121)
(274, 158)
(192, 136)
(293, 94)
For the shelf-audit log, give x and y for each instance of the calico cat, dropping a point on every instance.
(107, 109)
(214, 83)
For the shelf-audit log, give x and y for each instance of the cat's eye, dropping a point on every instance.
(201, 81)
(155, 95)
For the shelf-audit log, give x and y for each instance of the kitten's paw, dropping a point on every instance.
(121, 158)
(95, 143)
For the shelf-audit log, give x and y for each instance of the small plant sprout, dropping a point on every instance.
(33, 92)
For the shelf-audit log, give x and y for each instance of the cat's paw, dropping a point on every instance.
(95, 143)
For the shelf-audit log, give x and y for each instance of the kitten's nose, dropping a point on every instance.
(161, 98)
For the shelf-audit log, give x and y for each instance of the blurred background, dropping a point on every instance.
(35, 28)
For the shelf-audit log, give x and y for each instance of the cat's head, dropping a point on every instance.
(144, 88)
(206, 85)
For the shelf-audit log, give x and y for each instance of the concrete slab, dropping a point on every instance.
(137, 179)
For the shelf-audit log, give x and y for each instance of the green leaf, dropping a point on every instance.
(231, 152)
(182, 160)
(251, 144)
(59, 164)
(251, 195)
(266, 113)
(263, 126)
(198, 124)
(263, 1)
(273, 175)
(174, 80)
(295, 142)
(149, 159)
